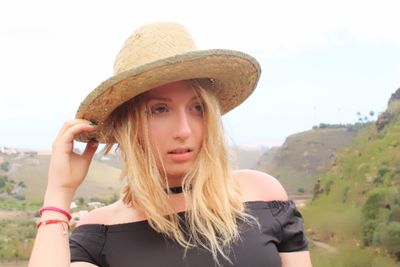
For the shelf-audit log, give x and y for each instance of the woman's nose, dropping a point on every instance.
(182, 126)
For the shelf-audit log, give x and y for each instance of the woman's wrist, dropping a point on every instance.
(60, 198)
(49, 214)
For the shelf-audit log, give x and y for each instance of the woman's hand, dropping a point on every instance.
(68, 169)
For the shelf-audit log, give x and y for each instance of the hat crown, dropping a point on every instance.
(151, 43)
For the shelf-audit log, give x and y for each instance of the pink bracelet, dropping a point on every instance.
(66, 213)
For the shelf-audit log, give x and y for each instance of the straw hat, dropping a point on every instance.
(161, 53)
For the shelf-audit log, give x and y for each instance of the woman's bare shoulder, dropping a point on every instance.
(259, 186)
(99, 215)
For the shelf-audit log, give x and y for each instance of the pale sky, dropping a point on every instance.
(322, 61)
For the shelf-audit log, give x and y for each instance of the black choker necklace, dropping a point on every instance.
(175, 190)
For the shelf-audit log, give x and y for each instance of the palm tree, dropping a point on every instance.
(372, 113)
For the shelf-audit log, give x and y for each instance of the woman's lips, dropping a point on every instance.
(180, 154)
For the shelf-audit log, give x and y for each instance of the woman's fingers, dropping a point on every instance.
(90, 149)
(76, 129)
(68, 124)
(68, 169)
(69, 131)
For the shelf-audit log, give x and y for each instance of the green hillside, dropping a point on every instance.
(102, 179)
(297, 162)
(357, 209)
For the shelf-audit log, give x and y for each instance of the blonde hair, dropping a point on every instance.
(212, 194)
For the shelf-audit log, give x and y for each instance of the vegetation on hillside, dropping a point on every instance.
(297, 162)
(357, 207)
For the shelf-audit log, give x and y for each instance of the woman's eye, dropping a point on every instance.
(159, 110)
(198, 108)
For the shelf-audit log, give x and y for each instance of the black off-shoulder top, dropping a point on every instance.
(137, 244)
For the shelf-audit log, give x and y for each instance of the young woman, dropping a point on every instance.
(181, 203)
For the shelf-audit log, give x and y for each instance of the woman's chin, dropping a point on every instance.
(176, 176)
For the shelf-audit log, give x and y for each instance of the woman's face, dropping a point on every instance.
(175, 127)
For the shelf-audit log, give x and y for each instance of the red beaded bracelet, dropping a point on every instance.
(46, 222)
(64, 212)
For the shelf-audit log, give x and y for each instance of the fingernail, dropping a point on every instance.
(92, 123)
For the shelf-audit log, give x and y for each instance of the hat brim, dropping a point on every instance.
(235, 76)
